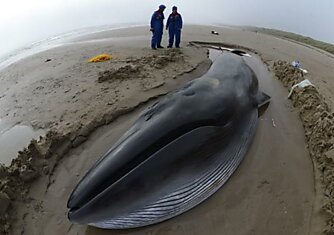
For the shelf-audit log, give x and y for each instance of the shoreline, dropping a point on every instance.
(55, 41)
(79, 134)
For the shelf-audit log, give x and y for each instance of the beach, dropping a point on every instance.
(81, 109)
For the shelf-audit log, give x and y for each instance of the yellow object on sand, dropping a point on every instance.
(100, 58)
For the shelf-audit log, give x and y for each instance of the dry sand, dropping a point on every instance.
(272, 192)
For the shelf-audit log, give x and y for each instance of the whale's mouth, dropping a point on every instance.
(143, 157)
(137, 159)
(208, 159)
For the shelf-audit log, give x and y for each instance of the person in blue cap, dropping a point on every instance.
(157, 26)
(174, 26)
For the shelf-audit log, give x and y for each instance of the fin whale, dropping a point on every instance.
(179, 152)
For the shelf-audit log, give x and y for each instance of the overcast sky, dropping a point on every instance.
(26, 21)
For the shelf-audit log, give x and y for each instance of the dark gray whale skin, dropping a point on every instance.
(179, 152)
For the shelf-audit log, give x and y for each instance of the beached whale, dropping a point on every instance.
(179, 152)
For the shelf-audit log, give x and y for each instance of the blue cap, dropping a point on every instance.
(162, 6)
(174, 8)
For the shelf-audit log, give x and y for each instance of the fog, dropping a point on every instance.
(26, 21)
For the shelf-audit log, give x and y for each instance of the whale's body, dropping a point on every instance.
(179, 152)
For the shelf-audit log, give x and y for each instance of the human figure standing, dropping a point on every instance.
(174, 26)
(157, 26)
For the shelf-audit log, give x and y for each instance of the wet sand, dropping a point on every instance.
(272, 192)
(15, 139)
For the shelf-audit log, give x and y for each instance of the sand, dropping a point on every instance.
(274, 191)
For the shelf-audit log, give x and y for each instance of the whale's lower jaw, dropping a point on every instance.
(207, 180)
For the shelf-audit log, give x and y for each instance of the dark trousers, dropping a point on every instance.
(174, 33)
(156, 38)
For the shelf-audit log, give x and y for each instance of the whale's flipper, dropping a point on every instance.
(262, 99)
(262, 102)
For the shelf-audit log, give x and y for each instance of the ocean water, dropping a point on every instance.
(52, 42)
(14, 138)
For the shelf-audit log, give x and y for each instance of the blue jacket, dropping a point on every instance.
(157, 20)
(174, 21)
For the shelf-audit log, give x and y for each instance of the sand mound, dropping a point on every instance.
(318, 122)
(139, 67)
(122, 73)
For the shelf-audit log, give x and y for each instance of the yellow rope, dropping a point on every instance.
(100, 58)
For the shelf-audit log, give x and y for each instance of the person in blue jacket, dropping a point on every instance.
(174, 26)
(157, 27)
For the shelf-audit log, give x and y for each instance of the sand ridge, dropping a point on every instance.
(318, 122)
